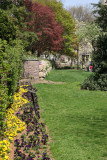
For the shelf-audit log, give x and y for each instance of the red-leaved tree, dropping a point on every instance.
(42, 22)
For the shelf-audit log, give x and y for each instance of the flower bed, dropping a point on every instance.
(24, 130)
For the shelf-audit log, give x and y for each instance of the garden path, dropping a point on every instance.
(49, 82)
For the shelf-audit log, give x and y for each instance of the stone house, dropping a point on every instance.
(85, 49)
(85, 54)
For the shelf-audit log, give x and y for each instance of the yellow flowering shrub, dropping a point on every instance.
(14, 125)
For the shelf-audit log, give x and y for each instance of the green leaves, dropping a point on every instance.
(101, 15)
(62, 16)
(7, 27)
(98, 81)
(29, 40)
(10, 72)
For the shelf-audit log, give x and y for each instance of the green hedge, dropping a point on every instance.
(10, 73)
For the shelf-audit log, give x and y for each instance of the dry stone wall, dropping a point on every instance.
(35, 70)
(31, 69)
(44, 68)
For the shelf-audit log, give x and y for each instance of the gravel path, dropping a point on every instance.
(49, 82)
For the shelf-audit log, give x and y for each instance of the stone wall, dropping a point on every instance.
(44, 68)
(61, 65)
(34, 70)
(31, 70)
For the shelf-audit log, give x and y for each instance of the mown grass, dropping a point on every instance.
(76, 119)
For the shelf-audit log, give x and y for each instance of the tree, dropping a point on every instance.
(82, 13)
(88, 33)
(100, 55)
(98, 81)
(29, 40)
(101, 15)
(42, 22)
(64, 17)
(15, 11)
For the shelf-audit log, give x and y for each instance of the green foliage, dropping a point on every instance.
(11, 52)
(100, 55)
(95, 82)
(15, 10)
(89, 32)
(19, 13)
(64, 17)
(10, 72)
(6, 4)
(14, 59)
(29, 40)
(101, 15)
(4, 98)
(15, 13)
(9, 4)
(7, 27)
(98, 81)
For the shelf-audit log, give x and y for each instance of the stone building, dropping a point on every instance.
(85, 55)
(85, 49)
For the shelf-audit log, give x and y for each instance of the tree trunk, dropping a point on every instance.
(38, 54)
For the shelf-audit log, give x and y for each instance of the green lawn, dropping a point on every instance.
(76, 119)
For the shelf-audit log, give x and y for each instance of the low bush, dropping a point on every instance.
(95, 82)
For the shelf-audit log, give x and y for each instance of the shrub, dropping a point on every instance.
(4, 98)
(14, 59)
(10, 71)
(95, 82)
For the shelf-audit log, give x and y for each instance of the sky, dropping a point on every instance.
(69, 3)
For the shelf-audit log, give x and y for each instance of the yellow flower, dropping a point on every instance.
(11, 139)
(13, 123)
(6, 158)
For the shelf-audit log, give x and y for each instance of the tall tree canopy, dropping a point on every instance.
(101, 15)
(88, 33)
(16, 13)
(42, 22)
(64, 17)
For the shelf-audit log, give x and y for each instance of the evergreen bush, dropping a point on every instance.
(98, 81)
